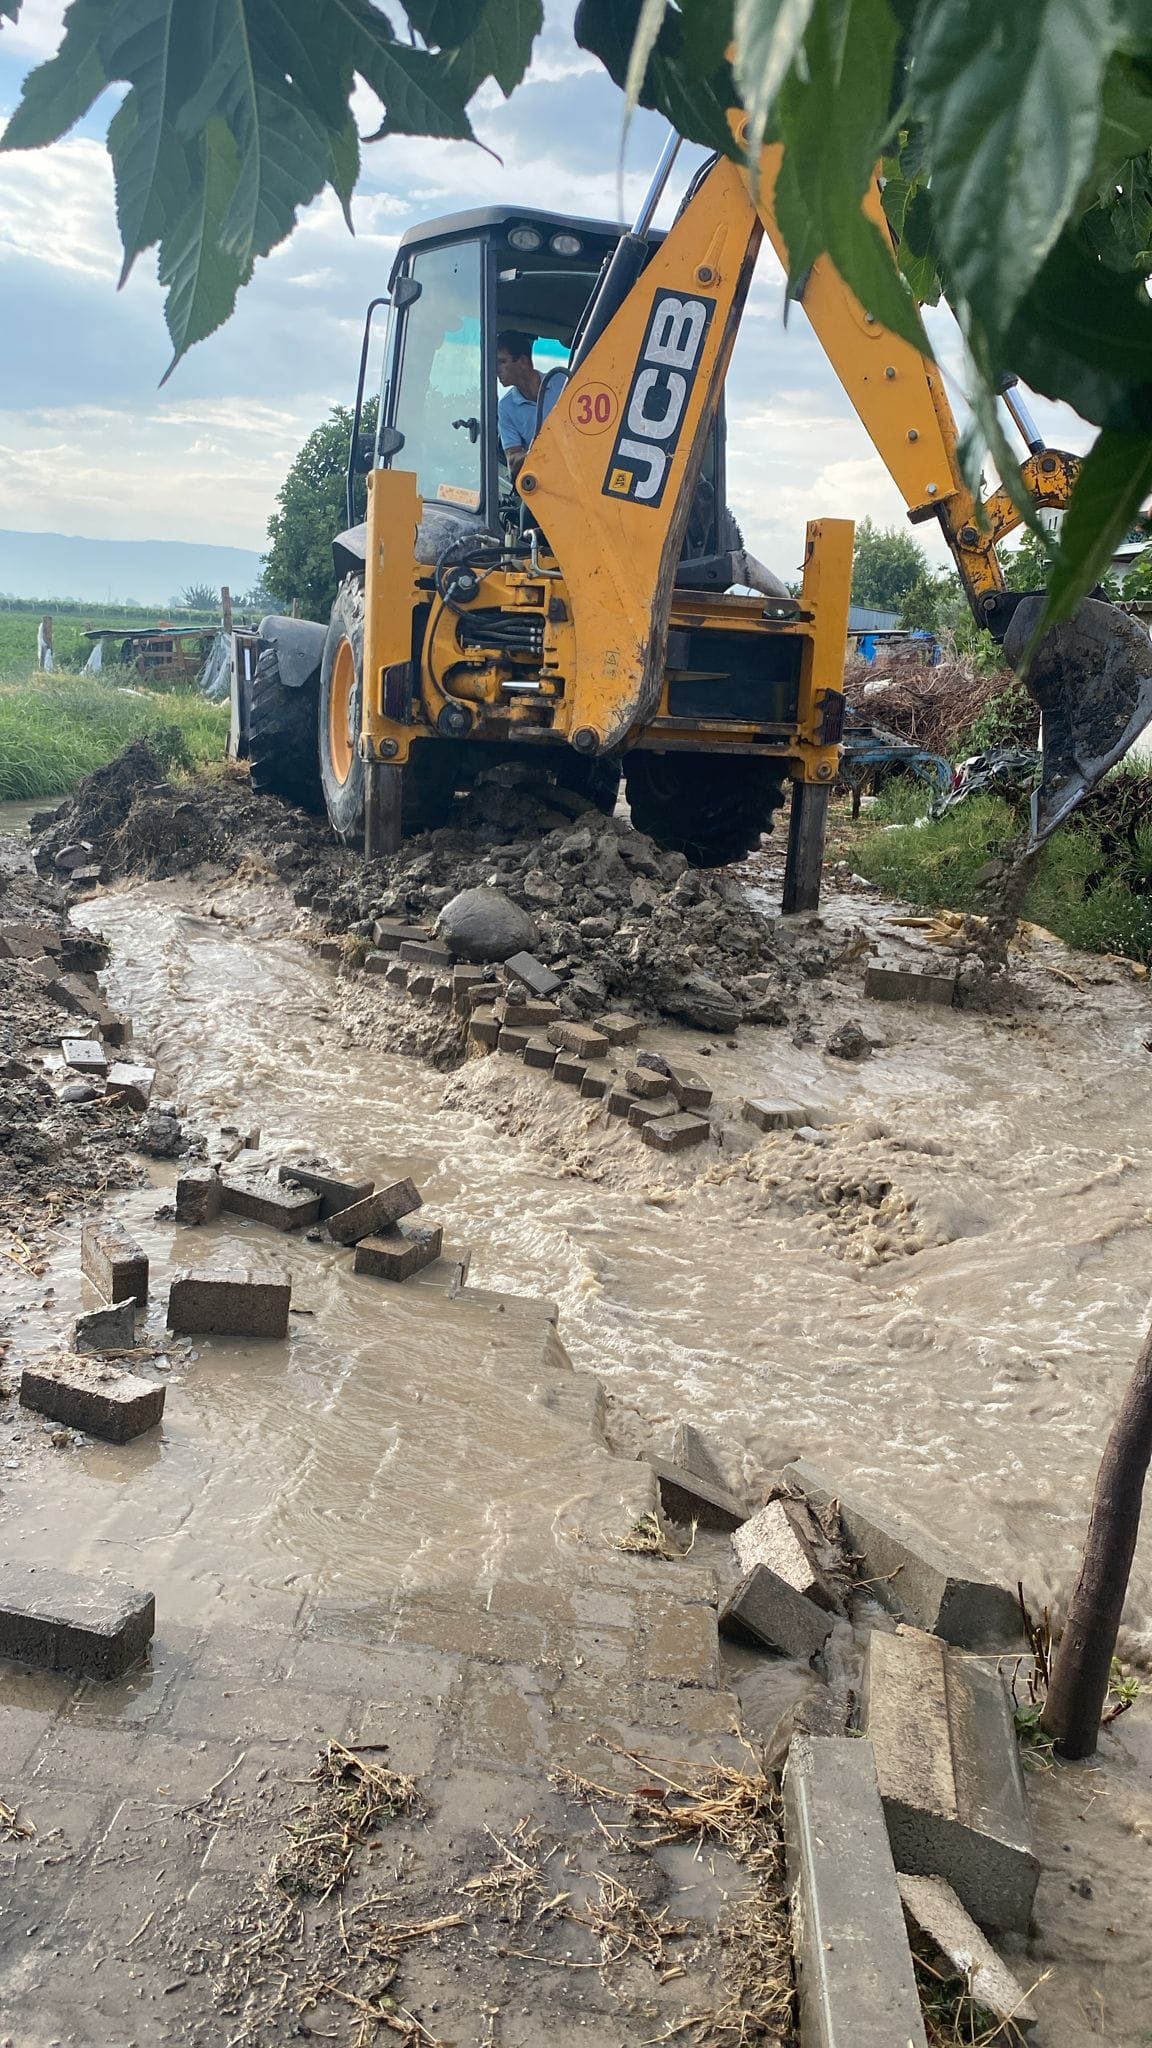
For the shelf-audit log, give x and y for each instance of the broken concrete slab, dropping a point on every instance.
(538, 1053)
(265, 1200)
(774, 1536)
(334, 1194)
(581, 1039)
(691, 1450)
(60, 1621)
(400, 1254)
(114, 1262)
(942, 1729)
(854, 1966)
(689, 1499)
(390, 933)
(767, 1608)
(229, 1301)
(131, 1084)
(199, 1195)
(538, 979)
(905, 985)
(618, 1028)
(76, 994)
(106, 1329)
(80, 1394)
(777, 1116)
(909, 1572)
(20, 941)
(376, 1214)
(931, 1905)
(675, 1133)
(85, 1056)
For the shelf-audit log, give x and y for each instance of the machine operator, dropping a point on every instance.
(516, 413)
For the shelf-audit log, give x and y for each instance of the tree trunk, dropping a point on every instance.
(1084, 1655)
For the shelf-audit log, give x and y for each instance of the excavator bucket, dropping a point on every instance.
(1092, 678)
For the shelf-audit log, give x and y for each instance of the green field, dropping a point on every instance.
(56, 729)
(18, 623)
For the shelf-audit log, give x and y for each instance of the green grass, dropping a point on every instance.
(18, 624)
(56, 729)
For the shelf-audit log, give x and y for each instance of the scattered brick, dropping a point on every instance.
(421, 983)
(376, 1214)
(641, 1113)
(620, 1101)
(95, 1398)
(511, 1041)
(113, 1261)
(688, 1499)
(690, 1089)
(229, 1301)
(85, 1056)
(199, 1195)
(646, 1084)
(331, 949)
(334, 1194)
(106, 1329)
(59, 1621)
(617, 1028)
(582, 1039)
(594, 1085)
(675, 1133)
(485, 1028)
(131, 1084)
(377, 963)
(425, 953)
(534, 1012)
(539, 979)
(777, 1116)
(399, 1254)
(569, 1068)
(397, 976)
(268, 1201)
(538, 1053)
(390, 933)
(774, 1613)
(775, 1537)
(903, 985)
(479, 994)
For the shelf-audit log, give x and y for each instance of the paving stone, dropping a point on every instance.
(480, 994)
(535, 1013)
(199, 1195)
(74, 994)
(774, 1536)
(857, 1987)
(425, 953)
(390, 933)
(331, 950)
(569, 1068)
(229, 1301)
(768, 1608)
(617, 1028)
(675, 1133)
(538, 979)
(646, 1082)
(268, 1201)
(691, 1450)
(931, 1905)
(484, 1028)
(60, 1621)
(903, 985)
(942, 1728)
(397, 976)
(106, 1329)
(776, 1116)
(85, 1056)
(594, 1085)
(113, 1261)
(400, 1254)
(690, 1088)
(689, 1499)
(511, 1041)
(620, 1101)
(641, 1113)
(910, 1573)
(538, 1053)
(116, 1030)
(81, 1395)
(377, 962)
(377, 1213)
(20, 941)
(679, 1644)
(440, 996)
(582, 1039)
(334, 1194)
(421, 982)
(131, 1084)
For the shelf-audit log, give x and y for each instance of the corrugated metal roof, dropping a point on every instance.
(862, 619)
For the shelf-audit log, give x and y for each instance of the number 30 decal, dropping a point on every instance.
(592, 408)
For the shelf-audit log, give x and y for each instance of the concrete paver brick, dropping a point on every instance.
(399, 1255)
(689, 1499)
(679, 1645)
(511, 1041)
(582, 1039)
(131, 1083)
(83, 1395)
(854, 1966)
(646, 1082)
(85, 1056)
(690, 1088)
(389, 933)
(74, 993)
(618, 1028)
(484, 1028)
(537, 978)
(777, 1116)
(199, 1195)
(675, 1133)
(620, 1101)
(268, 1201)
(426, 953)
(538, 1053)
(903, 985)
(692, 1450)
(569, 1068)
(397, 975)
(421, 982)
(60, 1621)
(481, 994)
(376, 1214)
(334, 1194)
(331, 950)
(536, 1013)
(106, 1329)
(594, 1085)
(230, 1302)
(377, 962)
(114, 1263)
(641, 1113)
(20, 941)
(768, 1608)
(941, 1725)
(774, 1537)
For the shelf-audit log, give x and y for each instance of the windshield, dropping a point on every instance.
(440, 373)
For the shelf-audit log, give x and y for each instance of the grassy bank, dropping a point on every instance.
(18, 624)
(1092, 888)
(56, 729)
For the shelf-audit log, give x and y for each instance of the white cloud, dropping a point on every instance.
(36, 34)
(57, 206)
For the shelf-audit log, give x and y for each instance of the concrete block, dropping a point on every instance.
(768, 1608)
(75, 994)
(83, 1395)
(421, 982)
(397, 976)
(646, 1082)
(535, 1013)
(620, 1101)
(912, 1574)
(932, 1906)
(113, 1261)
(690, 1088)
(688, 1499)
(26, 941)
(376, 1214)
(775, 1537)
(265, 1200)
(594, 1085)
(377, 962)
(85, 878)
(511, 1041)
(199, 1195)
(464, 980)
(400, 1254)
(777, 1116)
(481, 994)
(131, 1084)
(568, 1067)
(903, 985)
(425, 953)
(106, 1329)
(538, 979)
(60, 1621)
(390, 933)
(114, 1029)
(617, 1028)
(229, 1301)
(331, 950)
(857, 1987)
(85, 1056)
(582, 1039)
(538, 1053)
(484, 1028)
(675, 1133)
(941, 1726)
(334, 1194)
(691, 1450)
(641, 1113)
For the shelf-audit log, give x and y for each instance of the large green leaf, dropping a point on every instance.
(1114, 481)
(202, 281)
(697, 107)
(1084, 334)
(499, 46)
(769, 35)
(908, 211)
(57, 94)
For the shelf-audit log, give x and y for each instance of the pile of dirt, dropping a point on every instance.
(931, 708)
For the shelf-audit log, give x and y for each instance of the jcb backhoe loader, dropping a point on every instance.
(600, 615)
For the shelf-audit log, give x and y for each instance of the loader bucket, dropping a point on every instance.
(1092, 678)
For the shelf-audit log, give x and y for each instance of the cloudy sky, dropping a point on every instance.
(90, 445)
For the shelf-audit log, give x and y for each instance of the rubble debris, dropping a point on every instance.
(21, 941)
(646, 1083)
(910, 1574)
(116, 1406)
(131, 1084)
(931, 1905)
(85, 1056)
(765, 1607)
(777, 1536)
(199, 1195)
(687, 1498)
(399, 1254)
(485, 924)
(160, 1134)
(850, 1042)
(229, 1301)
(74, 856)
(941, 1726)
(335, 1195)
(641, 1113)
(690, 1449)
(265, 1200)
(106, 1329)
(60, 1621)
(903, 985)
(854, 1966)
(376, 1214)
(114, 1263)
(675, 1133)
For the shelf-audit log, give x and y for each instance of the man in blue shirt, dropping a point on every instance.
(516, 412)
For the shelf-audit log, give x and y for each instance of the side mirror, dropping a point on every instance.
(390, 443)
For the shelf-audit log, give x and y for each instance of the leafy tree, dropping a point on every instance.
(886, 565)
(200, 597)
(924, 607)
(298, 564)
(1138, 581)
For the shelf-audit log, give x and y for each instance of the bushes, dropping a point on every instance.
(55, 729)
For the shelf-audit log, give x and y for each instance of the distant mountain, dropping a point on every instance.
(149, 572)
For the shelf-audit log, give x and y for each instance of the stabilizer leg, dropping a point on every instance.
(383, 791)
(807, 821)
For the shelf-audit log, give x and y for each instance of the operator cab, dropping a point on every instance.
(456, 283)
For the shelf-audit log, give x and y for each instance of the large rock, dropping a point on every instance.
(485, 924)
(704, 1002)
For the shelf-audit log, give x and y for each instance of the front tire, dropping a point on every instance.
(282, 754)
(596, 777)
(339, 712)
(712, 808)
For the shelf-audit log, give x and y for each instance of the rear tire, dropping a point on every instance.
(282, 737)
(597, 778)
(712, 808)
(338, 712)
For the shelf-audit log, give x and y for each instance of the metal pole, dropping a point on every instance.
(807, 819)
(651, 200)
(1022, 418)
